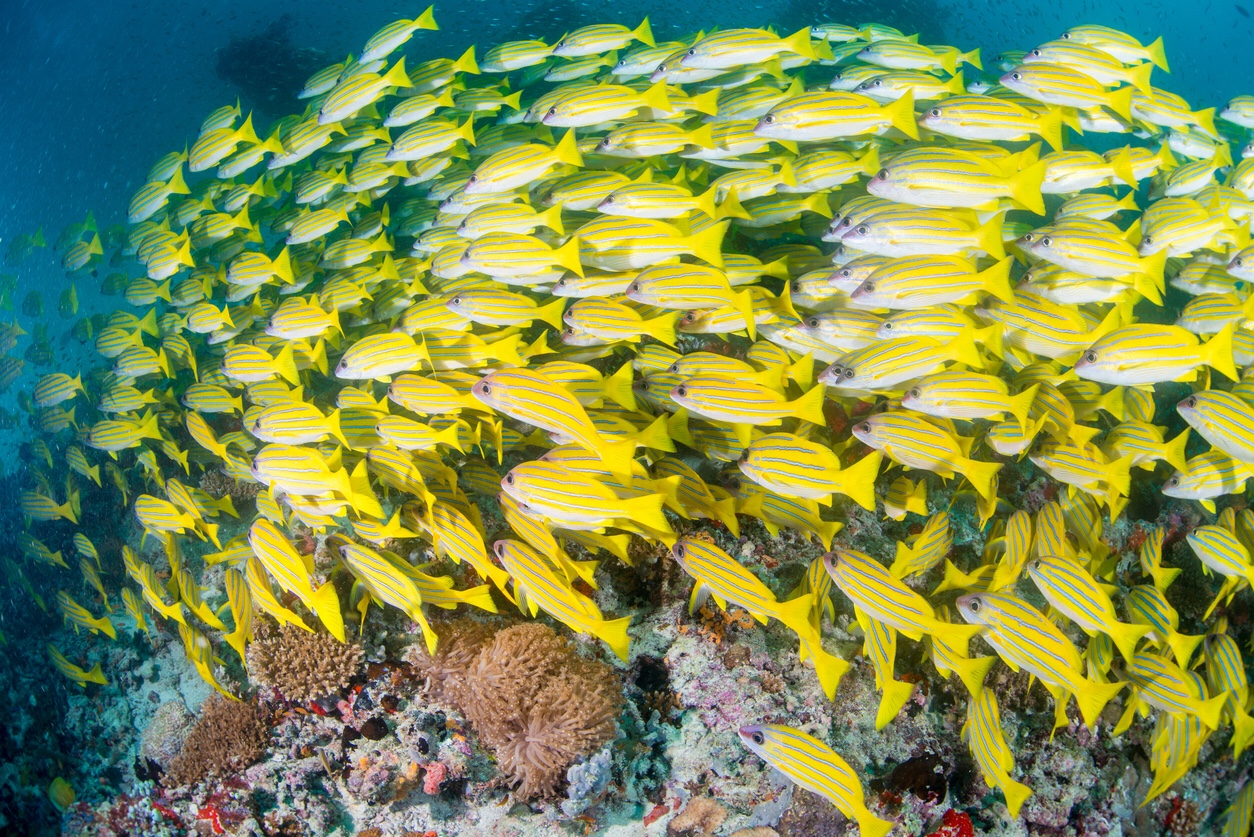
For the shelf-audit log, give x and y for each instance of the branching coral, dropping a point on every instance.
(535, 704)
(299, 664)
(228, 736)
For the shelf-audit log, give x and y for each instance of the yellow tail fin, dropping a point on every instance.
(326, 605)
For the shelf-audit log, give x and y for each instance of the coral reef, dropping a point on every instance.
(536, 705)
(218, 485)
(228, 736)
(166, 733)
(301, 665)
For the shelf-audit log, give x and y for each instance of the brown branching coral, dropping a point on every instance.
(534, 703)
(228, 736)
(217, 485)
(299, 664)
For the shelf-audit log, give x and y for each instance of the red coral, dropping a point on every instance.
(211, 813)
(433, 778)
(954, 824)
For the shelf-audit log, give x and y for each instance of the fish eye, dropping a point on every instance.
(758, 738)
(866, 427)
(1036, 53)
(849, 372)
(796, 287)
(473, 179)
(509, 478)
(869, 287)
(457, 300)
(679, 550)
(813, 322)
(915, 392)
(1066, 36)
(1037, 563)
(690, 317)
(876, 83)
(1238, 261)
(635, 287)
(552, 111)
(883, 174)
(934, 112)
(692, 52)
(863, 229)
(768, 119)
(1028, 238)
(1149, 239)
(1174, 481)
(681, 391)
(888, 326)
(1191, 401)
(975, 605)
(487, 388)
(611, 198)
(1090, 357)
(1046, 241)
(561, 282)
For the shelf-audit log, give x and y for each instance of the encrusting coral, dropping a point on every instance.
(217, 485)
(536, 705)
(301, 665)
(228, 735)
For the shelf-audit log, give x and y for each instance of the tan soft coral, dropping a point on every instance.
(534, 702)
(299, 664)
(228, 736)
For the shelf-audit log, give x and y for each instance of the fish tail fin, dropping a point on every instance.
(567, 150)
(949, 61)
(480, 597)
(1145, 286)
(795, 614)
(466, 130)
(1156, 54)
(567, 256)
(809, 407)
(1173, 451)
(396, 77)
(972, 671)
(1093, 698)
(644, 33)
(799, 42)
(246, 133)
(426, 20)
(829, 668)
(281, 266)
(1139, 77)
(964, 350)
(827, 530)
(858, 480)
(148, 325)
(1049, 126)
(106, 627)
(1205, 119)
(981, 475)
(1126, 637)
(1025, 187)
(93, 472)
(360, 494)
(449, 436)
(655, 97)
(552, 218)
(893, 696)
(613, 632)
(707, 245)
(972, 58)
(335, 429)
(702, 137)
(285, 364)
(96, 676)
(870, 825)
(1016, 794)
(1211, 710)
(996, 280)
(1217, 353)
(149, 429)
(1021, 405)
(662, 328)
(1183, 646)
(552, 313)
(617, 387)
(900, 115)
(655, 436)
(618, 456)
(1120, 101)
(176, 185)
(705, 201)
(326, 604)
(725, 512)
(647, 511)
(988, 236)
(954, 578)
(1242, 731)
(1118, 476)
(706, 102)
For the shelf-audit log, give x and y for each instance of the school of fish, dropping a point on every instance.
(655, 277)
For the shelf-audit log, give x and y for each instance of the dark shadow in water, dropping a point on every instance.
(268, 69)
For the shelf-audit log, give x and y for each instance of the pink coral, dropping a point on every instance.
(433, 778)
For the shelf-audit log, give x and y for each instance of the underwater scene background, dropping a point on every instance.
(786, 703)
